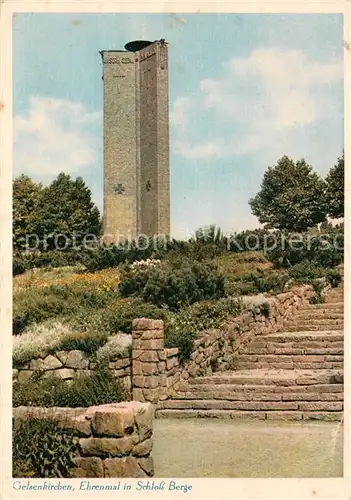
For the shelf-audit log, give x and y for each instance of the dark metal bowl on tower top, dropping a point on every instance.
(137, 45)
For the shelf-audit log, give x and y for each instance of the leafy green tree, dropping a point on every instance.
(67, 209)
(335, 189)
(292, 197)
(26, 202)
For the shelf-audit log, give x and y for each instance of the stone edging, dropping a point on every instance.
(114, 440)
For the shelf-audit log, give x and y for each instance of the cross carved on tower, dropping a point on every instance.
(119, 189)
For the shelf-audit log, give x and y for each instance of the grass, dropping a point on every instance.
(241, 264)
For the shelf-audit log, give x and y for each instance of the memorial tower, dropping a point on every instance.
(136, 141)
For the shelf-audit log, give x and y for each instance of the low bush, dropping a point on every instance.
(35, 306)
(262, 281)
(116, 347)
(333, 277)
(38, 339)
(42, 449)
(181, 328)
(269, 282)
(237, 288)
(180, 283)
(49, 259)
(318, 298)
(18, 266)
(307, 272)
(117, 316)
(85, 390)
(89, 342)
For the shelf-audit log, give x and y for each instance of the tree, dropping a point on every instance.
(26, 201)
(292, 197)
(335, 189)
(209, 234)
(67, 209)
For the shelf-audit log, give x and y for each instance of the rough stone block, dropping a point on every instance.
(143, 449)
(148, 345)
(161, 366)
(62, 356)
(123, 467)
(23, 375)
(106, 446)
(321, 406)
(250, 415)
(78, 422)
(65, 373)
(137, 367)
(88, 467)
(324, 416)
(49, 363)
(149, 356)
(152, 334)
(151, 395)
(152, 382)
(284, 415)
(112, 420)
(138, 394)
(138, 380)
(136, 353)
(147, 324)
(147, 464)
(161, 355)
(171, 362)
(149, 368)
(77, 359)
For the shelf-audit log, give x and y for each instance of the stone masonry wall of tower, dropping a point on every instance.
(136, 143)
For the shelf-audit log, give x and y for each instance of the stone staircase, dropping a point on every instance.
(294, 374)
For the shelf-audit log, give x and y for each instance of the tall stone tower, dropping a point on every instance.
(136, 141)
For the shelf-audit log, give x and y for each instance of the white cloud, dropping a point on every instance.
(180, 114)
(54, 135)
(268, 98)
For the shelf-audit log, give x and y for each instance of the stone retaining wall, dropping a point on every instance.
(114, 440)
(68, 364)
(214, 349)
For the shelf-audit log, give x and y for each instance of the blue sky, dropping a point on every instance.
(245, 89)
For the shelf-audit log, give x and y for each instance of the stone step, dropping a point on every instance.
(310, 358)
(315, 321)
(335, 291)
(272, 377)
(227, 391)
(301, 336)
(291, 349)
(330, 306)
(319, 314)
(309, 326)
(230, 395)
(333, 299)
(176, 404)
(252, 415)
(285, 365)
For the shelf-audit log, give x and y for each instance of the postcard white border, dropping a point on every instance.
(338, 488)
